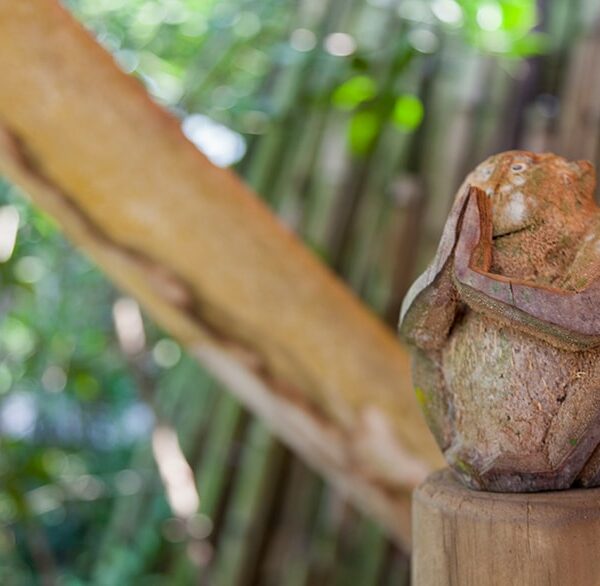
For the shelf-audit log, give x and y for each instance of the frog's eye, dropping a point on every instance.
(518, 167)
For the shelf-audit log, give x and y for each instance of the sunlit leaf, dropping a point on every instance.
(500, 26)
(354, 92)
(532, 44)
(86, 386)
(518, 15)
(408, 112)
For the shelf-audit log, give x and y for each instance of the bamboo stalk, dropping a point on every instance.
(186, 400)
(286, 560)
(246, 519)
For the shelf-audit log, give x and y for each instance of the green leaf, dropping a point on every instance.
(503, 27)
(518, 15)
(532, 44)
(354, 92)
(408, 112)
(86, 386)
(364, 127)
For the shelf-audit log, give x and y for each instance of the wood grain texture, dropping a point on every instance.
(470, 538)
(208, 260)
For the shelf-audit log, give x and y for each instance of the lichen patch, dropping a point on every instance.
(516, 211)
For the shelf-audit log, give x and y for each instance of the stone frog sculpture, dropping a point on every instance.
(505, 327)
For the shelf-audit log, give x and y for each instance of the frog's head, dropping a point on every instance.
(525, 187)
(521, 246)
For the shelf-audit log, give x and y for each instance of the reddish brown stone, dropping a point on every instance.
(506, 327)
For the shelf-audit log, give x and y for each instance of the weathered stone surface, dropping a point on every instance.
(505, 326)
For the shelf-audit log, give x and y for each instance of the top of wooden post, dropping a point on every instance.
(464, 537)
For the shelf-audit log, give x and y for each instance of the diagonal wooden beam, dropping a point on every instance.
(208, 260)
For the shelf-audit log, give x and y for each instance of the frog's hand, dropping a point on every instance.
(564, 318)
(429, 307)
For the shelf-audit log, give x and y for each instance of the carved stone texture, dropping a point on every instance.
(505, 327)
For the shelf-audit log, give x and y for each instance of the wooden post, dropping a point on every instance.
(463, 537)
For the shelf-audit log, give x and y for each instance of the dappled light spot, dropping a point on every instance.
(45, 498)
(447, 11)
(173, 530)
(414, 10)
(16, 338)
(340, 44)
(129, 325)
(128, 482)
(86, 487)
(423, 40)
(200, 553)
(18, 415)
(166, 353)
(303, 40)
(247, 24)
(30, 269)
(199, 526)
(223, 98)
(489, 17)
(54, 379)
(255, 122)
(9, 225)
(220, 144)
(175, 472)
(136, 422)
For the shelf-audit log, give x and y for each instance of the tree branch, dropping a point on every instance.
(207, 260)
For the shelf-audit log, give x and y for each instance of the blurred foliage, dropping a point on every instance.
(215, 57)
(72, 409)
(196, 55)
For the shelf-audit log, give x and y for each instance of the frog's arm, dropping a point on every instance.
(430, 306)
(564, 318)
